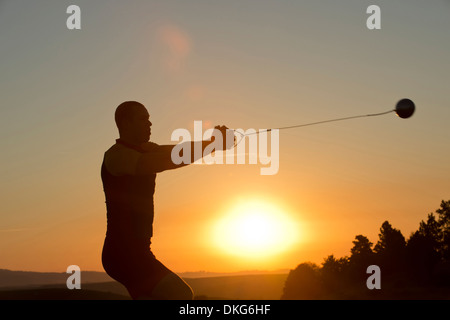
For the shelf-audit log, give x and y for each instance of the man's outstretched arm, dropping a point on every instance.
(159, 157)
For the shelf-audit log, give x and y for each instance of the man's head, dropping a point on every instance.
(132, 120)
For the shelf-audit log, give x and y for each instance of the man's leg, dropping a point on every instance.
(150, 279)
(172, 287)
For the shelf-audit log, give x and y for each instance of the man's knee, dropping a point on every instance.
(186, 293)
(172, 287)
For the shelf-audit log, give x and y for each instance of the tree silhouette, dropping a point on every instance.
(334, 275)
(431, 230)
(361, 257)
(334, 266)
(303, 283)
(444, 225)
(443, 267)
(390, 249)
(410, 269)
(423, 250)
(362, 248)
(391, 240)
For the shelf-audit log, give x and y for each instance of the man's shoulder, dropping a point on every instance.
(149, 146)
(119, 149)
(120, 159)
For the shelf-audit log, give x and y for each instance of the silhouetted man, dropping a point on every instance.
(128, 174)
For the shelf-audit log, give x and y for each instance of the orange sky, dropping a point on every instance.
(234, 63)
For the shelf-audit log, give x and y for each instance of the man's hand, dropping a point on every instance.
(228, 137)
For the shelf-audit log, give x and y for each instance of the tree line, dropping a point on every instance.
(417, 267)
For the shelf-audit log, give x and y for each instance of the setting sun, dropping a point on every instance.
(255, 229)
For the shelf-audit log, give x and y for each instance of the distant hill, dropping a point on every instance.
(245, 287)
(11, 279)
(25, 285)
(59, 294)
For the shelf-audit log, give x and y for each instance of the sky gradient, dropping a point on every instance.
(244, 64)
